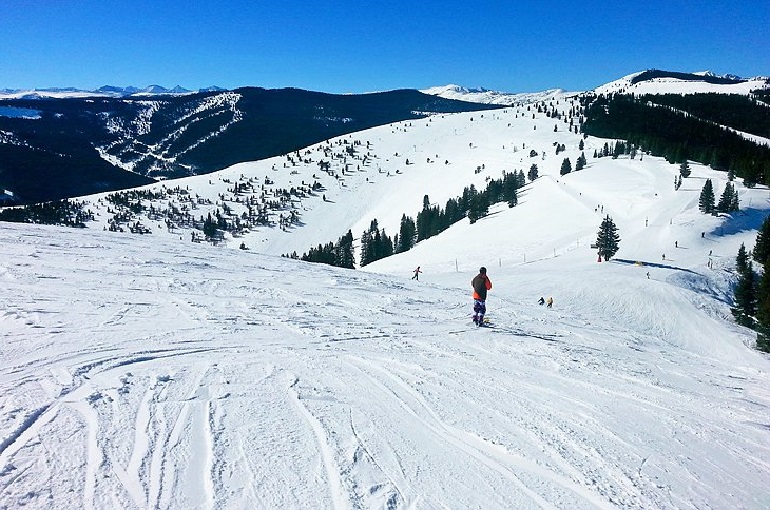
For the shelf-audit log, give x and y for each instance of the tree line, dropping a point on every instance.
(752, 291)
(65, 212)
(430, 221)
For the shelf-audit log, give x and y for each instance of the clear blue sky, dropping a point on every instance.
(345, 46)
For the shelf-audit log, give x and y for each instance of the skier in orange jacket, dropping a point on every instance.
(481, 284)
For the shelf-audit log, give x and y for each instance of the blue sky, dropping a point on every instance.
(355, 47)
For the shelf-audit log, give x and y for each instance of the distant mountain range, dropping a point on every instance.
(652, 81)
(104, 91)
(73, 146)
(62, 142)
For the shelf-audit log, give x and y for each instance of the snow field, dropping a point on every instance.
(153, 372)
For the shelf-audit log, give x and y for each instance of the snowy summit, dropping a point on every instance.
(150, 371)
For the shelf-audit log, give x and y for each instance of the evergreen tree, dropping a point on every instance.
(532, 174)
(706, 200)
(761, 252)
(619, 149)
(745, 297)
(407, 234)
(607, 239)
(209, 227)
(344, 251)
(366, 245)
(742, 260)
(581, 162)
(510, 185)
(520, 179)
(580, 145)
(725, 201)
(566, 166)
(763, 309)
(684, 169)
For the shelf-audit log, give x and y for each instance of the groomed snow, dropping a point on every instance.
(153, 372)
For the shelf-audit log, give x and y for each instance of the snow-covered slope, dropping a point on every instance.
(482, 95)
(151, 371)
(626, 85)
(672, 85)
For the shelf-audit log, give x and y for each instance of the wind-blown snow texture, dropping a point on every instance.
(152, 372)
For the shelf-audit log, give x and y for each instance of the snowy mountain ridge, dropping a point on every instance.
(675, 83)
(103, 91)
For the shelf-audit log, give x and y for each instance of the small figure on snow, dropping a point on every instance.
(549, 303)
(481, 284)
(416, 273)
(541, 302)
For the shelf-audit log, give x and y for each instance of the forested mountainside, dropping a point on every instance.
(708, 128)
(61, 148)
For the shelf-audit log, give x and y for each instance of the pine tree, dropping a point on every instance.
(581, 162)
(366, 242)
(510, 185)
(407, 234)
(209, 227)
(532, 174)
(761, 252)
(619, 149)
(726, 199)
(566, 166)
(745, 297)
(344, 251)
(706, 200)
(742, 260)
(763, 309)
(580, 145)
(684, 169)
(607, 239)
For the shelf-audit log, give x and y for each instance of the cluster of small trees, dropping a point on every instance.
(614, 149)
(339, 254)
(566, 164)
(67, 213)
(375, 244)
(752, 292)
(728, 202)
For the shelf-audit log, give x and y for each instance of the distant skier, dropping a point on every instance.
(416, 273)
(481, 284)
(542, 301)
(549, 303)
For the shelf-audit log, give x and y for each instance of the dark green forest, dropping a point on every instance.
(679, 136)
(737, 111)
